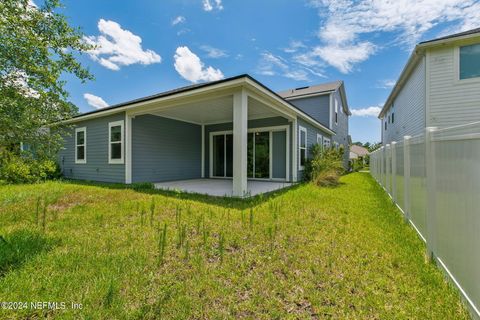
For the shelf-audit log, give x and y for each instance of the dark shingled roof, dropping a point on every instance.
(302, 91)
(455, 35)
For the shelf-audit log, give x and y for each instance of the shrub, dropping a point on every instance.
(325, 166)
(26, 169)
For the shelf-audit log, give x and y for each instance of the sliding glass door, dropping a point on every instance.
(259, 153)
(223, 155)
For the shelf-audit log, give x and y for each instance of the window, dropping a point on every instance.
(302, 146)
(115, 142)
(319, 140)
(393, 117)
(336, 111)
(80, 145)
(326, 143)
(385, 124)
(469, 61)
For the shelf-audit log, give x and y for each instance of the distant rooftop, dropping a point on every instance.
(302, 91)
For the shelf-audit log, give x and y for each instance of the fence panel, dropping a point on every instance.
(457, 197)
(447, 217)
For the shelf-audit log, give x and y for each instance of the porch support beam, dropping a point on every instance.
(128, 148)
(240, 124)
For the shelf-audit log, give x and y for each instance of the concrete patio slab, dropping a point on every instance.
(219, 187)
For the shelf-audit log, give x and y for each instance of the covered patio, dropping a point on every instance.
(220, 187)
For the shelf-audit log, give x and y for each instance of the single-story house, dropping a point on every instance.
(233, 135)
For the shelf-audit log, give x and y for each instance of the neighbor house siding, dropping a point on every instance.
(257, 123)
(451, 102)
(311, 140)
(96, 167)
(165, 149)
(318, 107)
(408, 107)
(341, 127)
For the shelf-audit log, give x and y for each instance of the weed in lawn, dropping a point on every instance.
(251, 218)
(152, 211)
(187, 250)
(162, 244)
(142, 216)
(37, 210)
(182, 232)
(205, 236)
(110, 294)
(221, 246)
(44, 215)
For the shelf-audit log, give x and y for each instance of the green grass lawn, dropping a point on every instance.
(308, 252)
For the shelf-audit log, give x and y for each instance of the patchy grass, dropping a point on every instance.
(308, 252)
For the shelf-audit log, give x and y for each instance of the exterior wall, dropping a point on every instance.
(408, 107)
(97, 167)
(341, 127)
(311, 140)
(451, 101)
(257, 123)
(165, 149)
(318, 107)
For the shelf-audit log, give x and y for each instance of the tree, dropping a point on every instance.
(37, 47)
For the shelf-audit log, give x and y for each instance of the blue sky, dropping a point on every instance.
(149, 46)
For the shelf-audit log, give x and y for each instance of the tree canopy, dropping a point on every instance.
(37, 47)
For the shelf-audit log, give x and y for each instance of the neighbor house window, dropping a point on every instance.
(385, 124)
(302, 146)
(115, 142)
(393, 117)
(326, 143)
(81, 145)
(319, 140)
(470, 61)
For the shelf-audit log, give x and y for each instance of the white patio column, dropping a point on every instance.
(240, 123)
(128, 148)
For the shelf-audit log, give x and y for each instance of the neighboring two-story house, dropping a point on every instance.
(327, 103)
(439, 87)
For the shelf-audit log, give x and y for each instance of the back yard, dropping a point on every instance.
(307, 252)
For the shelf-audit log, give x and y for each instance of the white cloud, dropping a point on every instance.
(191, 68)
(351, 27)
(209, 5)
(271, 65)
(366, 112)
(294, 46)
(177, 20)
(386, 84)
(95, 101)
(214, 52)
(117, 47)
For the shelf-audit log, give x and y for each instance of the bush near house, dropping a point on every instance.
(325, 166)
(25, 168)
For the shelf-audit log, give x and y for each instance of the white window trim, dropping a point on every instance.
(84, 160)
(300, 148)
(122, 142)
(456, 63)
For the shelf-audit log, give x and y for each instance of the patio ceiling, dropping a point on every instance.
(216, 110)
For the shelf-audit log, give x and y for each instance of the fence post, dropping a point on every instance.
(406, 177)
(431, 186)
(381, 166)
(387, 168)
(393, 176)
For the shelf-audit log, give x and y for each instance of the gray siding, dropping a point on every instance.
(317, 107)
(165, 149)
(258, 123)
(340, 127)
(97, 167)
(408, 107)
(311, 140)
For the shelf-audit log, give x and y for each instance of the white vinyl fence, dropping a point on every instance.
(434, 179)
